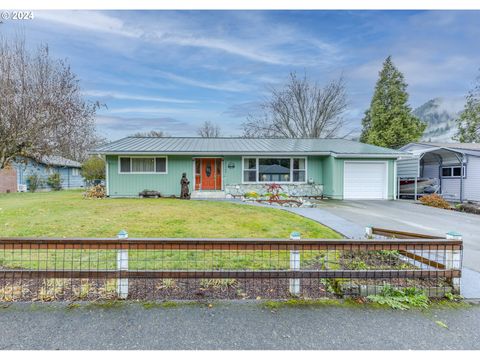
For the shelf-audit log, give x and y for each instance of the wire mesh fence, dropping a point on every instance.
(159, 269)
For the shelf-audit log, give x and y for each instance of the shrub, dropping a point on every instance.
(54, 181)
(435, 200)
(252, 195)
(95, 192)
(93, 169)
(273, 191)
(401, 299)
(34, 182)
(219, 284)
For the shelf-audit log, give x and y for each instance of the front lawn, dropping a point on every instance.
(67, 214)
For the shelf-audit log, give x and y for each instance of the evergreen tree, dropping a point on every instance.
(366, 122)
(468, 124)
(389, 121)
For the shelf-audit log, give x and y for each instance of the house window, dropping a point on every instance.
(161, 165)
(250, 170)
(299, 170)
(143, 165)
(274, 170)
(125, 165)
(75, 172)
(452, 171)
(281, 170)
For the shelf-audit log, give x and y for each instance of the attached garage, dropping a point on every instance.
(365, 180)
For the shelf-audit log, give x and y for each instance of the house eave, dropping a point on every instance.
(372, 156)
(212, 153)
(253, 153)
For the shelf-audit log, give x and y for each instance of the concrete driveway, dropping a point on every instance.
(410, 216)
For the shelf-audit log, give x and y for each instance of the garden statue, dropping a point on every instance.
(184, 194)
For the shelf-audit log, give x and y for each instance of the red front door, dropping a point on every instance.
(209, 174)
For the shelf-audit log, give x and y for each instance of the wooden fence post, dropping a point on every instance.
(369, 231)
(453, 258)
(295, 265)
(122, 264)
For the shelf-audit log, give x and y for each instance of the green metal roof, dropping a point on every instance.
(226, 146)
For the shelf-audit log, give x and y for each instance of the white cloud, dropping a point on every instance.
(90, 21)
(226, 45)
(124, 96)
(257, 39)
(233, 86)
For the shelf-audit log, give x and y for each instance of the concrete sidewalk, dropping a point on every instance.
(343, 226)
(235, 325)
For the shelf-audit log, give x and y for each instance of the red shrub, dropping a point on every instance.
(273, 191)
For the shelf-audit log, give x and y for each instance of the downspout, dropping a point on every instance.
(440, 164)
(395, 180)
(106, 177)
(461, 178)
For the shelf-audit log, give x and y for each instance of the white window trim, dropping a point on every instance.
(464, 172)
(274, 157)
(140, 172)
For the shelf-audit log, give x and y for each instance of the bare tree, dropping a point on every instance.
(41, 106)
(301, 109)
(151, 133)
(209, 130)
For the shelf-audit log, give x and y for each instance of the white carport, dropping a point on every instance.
(430, 162)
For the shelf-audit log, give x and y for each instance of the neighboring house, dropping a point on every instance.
(444, 162)
(16, 176)
(224, 167)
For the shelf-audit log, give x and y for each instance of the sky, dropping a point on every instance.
(172, 71)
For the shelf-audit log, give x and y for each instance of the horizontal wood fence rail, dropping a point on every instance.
(226, 274)
(228, 244)
(403, 234)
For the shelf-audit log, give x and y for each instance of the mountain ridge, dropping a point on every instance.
(439, 114)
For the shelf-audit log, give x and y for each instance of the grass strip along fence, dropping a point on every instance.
(157, 269)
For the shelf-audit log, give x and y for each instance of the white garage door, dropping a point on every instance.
(365, 180)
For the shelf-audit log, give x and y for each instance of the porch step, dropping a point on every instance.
(207, 195)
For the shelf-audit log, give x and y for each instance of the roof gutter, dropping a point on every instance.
(373, 156)
(253, 153)
(208, 153)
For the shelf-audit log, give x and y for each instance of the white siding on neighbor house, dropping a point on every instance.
(407, 168)
(451, 188)
(472, 181)
(430, 171)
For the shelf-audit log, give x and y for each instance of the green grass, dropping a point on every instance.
(67, 214)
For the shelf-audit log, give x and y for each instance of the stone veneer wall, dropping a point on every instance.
(289, 189)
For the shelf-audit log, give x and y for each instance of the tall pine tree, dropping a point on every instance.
(468, 124)
(389, 121)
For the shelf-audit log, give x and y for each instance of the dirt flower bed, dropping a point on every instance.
(470, 207)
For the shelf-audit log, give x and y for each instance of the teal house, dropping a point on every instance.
(229, 167)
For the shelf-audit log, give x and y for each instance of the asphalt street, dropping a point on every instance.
(236, 326)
